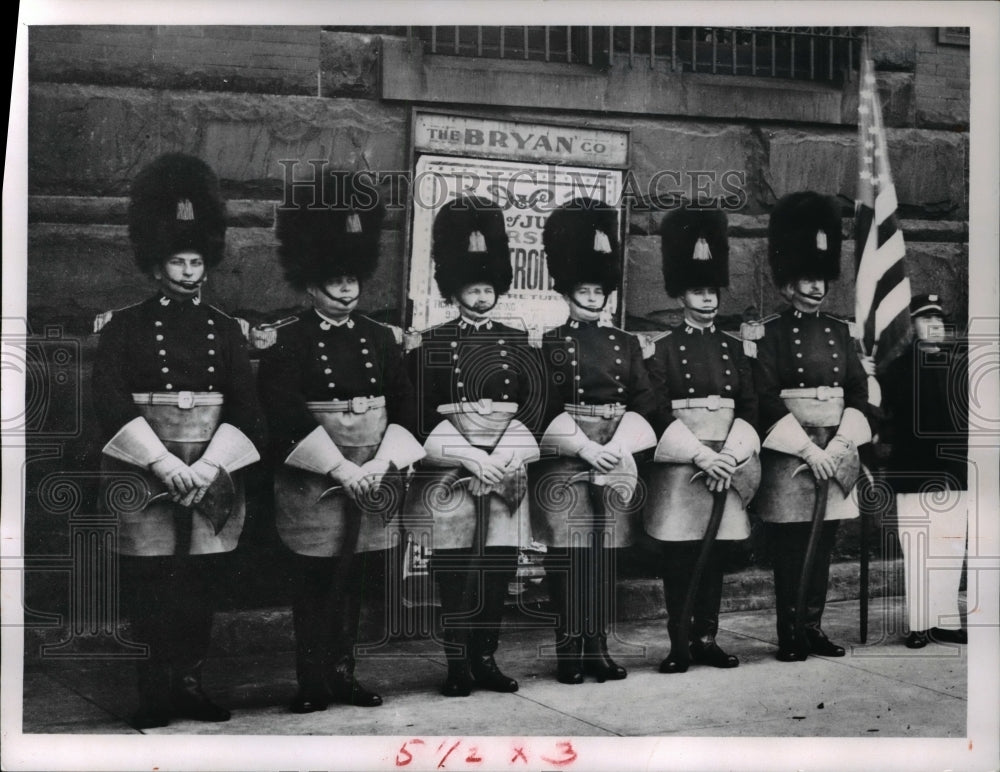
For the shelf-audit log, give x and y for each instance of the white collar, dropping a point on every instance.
(467, 323)
(327, 322)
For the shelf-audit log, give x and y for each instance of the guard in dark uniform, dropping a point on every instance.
(812, 391)
(584, 501)
(925, 398)
(703, 380)
(341, 410)
(478, 382)
(174, 392)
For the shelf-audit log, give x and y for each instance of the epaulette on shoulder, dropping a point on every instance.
(101, 320)
(852, 327)
(749, 344)
(397, 332)
(265, 335)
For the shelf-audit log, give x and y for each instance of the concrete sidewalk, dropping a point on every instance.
(880, 689)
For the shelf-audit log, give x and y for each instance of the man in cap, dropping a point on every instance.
(478, 382)
(704, 384)
(812, 393)
(583, 502)
(341, 409)
(925, 398)
(174, 393)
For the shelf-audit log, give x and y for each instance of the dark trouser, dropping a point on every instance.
(787, 544)
(326, 609)
(472, 588)
(679, 558)
(170, 602)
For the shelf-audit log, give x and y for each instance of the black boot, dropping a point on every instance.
(313, 631)
(678, 561)
(599, 604)
(819, 644)
(569, 644)
(153, 679)
(704, 628)
(146, 587)
(453, 590)
(485, 638)
(346, 689)
(786, 550)
(191, 613)
(343, 607)
(188, 699)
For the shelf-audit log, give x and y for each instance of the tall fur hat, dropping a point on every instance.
(176, 206)
(695, 250)
(803, 238)
(581, 245)
(469, 245)
(330, 231)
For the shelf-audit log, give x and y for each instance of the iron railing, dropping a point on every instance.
(809, 53)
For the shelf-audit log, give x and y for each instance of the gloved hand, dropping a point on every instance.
(819, 461)
(374, 470)
(601, 457)
(174, 474)
(718, 467)
(204, 473)
(352, 477)
(483, 467)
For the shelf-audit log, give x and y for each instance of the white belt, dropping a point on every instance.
(355, 405)
(822, 393)
(481, 406)
(714, 402)
(611, 410)
(182, 399)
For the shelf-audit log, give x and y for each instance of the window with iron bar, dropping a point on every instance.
(826, 54)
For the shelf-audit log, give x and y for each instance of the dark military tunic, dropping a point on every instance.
(170, 346)
(587, 364)
(316, 361)
(924, 395)
(693, 363)
(801, 350)
(459, 362)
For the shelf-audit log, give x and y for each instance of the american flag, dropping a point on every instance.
(882, 304)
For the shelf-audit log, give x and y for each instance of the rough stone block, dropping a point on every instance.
(91, 140)
(928, 168)
(349, 65)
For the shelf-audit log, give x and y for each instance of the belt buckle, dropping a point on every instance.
(713, 402)
(359, 405)
(608, 411)
(484, 406)
(822, 393)
(185, 400)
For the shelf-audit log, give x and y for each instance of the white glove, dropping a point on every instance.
(819, 461)
(374, 471)
(603, 458)
(718, 467)
(174, 474)
(204, 473)
(352, 477)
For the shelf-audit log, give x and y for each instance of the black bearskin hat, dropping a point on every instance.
(176, 206)
(469, 246)
(695, 250)
(330, 231)
(804, 238)
(581, 245)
